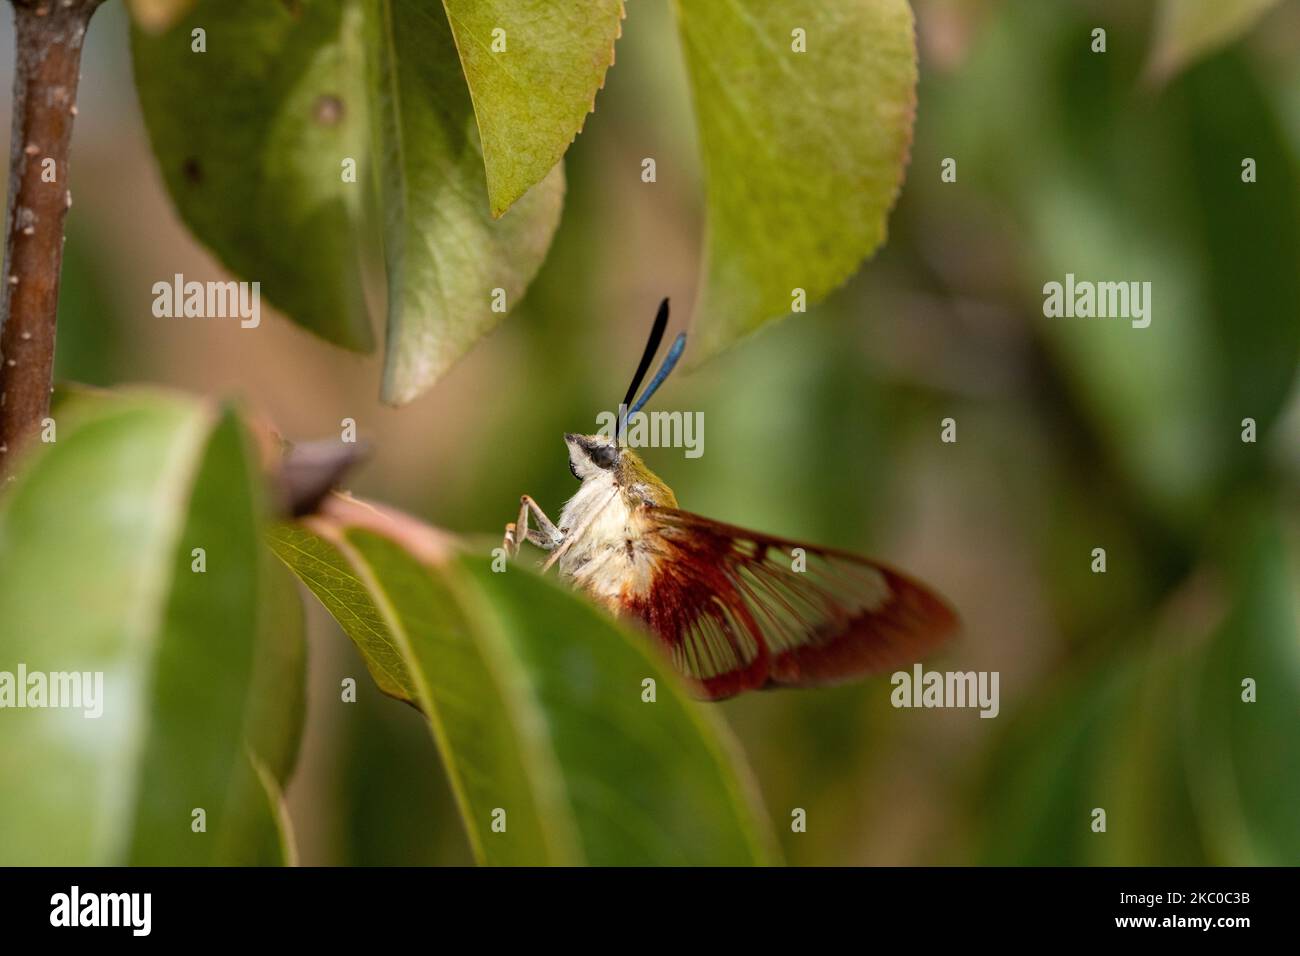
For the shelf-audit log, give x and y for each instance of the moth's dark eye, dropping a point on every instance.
(602, 455)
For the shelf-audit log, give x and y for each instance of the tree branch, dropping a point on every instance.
(47, 66)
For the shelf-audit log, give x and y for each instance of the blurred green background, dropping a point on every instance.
(1119, 690)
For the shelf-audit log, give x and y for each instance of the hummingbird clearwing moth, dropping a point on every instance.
(734, 609)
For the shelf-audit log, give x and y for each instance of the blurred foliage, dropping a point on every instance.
(1161, 739)
(157, 15)
(90, 348)
(201, 701)
(1124, 183)
(396, 807)
(1187, 29)
(1104, 194)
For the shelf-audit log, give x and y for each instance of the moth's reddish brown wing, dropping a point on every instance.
(735, 614)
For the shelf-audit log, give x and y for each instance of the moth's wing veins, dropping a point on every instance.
(734, 614)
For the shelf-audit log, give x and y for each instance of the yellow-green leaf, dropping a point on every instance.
(533, 68)
(328, 574)
(803, 152)
(453, 270)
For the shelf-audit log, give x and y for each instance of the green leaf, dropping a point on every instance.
(444, 251)
(1171, 398)
(287, 93)
(1127, 188)
(277, 840)
(252, 135)
(532, 97)
(1189, 29)
(1245, 757)
(1188, 772)
(201, 671)
(1112, 741)
(323, 568)
(1251, 286)
(803, 152)
(535, 701)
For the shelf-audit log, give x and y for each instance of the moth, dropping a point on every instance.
(734, 609)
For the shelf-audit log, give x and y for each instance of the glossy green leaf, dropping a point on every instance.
(803, 153)
(252, 137)
(1189, 29)
(447, 256)
(535, 701)
(533, 68)
(202, 671)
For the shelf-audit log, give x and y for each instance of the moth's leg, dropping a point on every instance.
(548, 536)
(517, 532)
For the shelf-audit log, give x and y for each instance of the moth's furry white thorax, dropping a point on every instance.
(596, 507)
(606, 554)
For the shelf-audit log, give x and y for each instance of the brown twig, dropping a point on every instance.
(47, 64)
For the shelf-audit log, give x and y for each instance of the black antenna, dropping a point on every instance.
(651, 347)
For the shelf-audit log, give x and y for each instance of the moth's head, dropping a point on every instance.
(591, 456)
